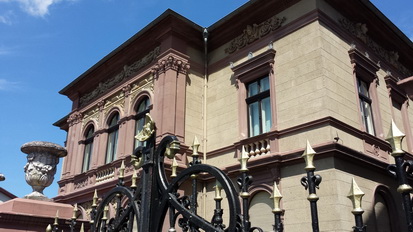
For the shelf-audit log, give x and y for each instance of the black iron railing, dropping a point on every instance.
(156, 201)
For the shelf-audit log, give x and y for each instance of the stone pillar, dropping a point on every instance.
(42, 159)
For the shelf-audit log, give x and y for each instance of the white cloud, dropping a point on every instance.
(37, 7)
(8, 85)
(6, 18)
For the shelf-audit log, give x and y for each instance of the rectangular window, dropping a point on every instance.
(259, 106)
(365, 106)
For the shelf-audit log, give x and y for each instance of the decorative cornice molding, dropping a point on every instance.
(255, 32)
(360, 30)
(123, 75)
(171, 62)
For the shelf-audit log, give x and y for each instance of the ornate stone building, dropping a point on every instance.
(267, 77)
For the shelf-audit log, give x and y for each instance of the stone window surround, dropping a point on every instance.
(365, 69)
(399, 96)
(254, 68)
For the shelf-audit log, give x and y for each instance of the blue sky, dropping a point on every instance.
(45, 44)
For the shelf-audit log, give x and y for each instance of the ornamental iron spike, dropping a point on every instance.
(134, 179)
(122, 170)
(105, 213)
(75, 209)
(174, 167)
(308, 156)
(82, 228)
(276, 196)
(95, 199)
(56, 219)
(244, 160)
(49, 228)
(195, 147)
(356, 195)
(395, 137)
(218, 188)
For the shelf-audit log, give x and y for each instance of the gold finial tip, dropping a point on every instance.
(355, 189)
(308, 150)
(196, 142)
(244, 153)
(95, 195)
(394, 131)
(174, 162)
(276, 192)
(308, 156)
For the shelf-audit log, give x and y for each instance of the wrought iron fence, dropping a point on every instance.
(156, 201)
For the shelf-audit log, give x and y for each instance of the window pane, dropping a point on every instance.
(266, 114)
(111, 147)
(252, 89)
(367, 116)
(264, 84)
(254, 119)
(89, 133)
(138, 127)
(114, 120)
(363, 88)
(143, 105)
(87, 156)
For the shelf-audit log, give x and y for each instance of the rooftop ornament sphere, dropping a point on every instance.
(42, 159)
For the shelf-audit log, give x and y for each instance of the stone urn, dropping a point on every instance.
(42, 159)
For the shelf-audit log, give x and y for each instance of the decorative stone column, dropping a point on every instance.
(42, 159)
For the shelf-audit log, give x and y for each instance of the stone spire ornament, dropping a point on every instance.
(42, 159)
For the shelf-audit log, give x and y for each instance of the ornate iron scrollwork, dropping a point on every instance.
(145, 207)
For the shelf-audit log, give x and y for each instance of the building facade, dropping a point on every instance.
(267, 77)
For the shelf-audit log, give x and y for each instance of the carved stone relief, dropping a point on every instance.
(360, 31)
(171, 62)
(139, 86)
(126, 73)
(255, 32)
(75, 118)
(92, 114)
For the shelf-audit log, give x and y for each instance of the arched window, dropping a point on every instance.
(260, 211)
(87, 153)
(141, 109)
(112, 138)
(384, 211)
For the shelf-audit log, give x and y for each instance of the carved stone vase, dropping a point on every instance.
(42, 159)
